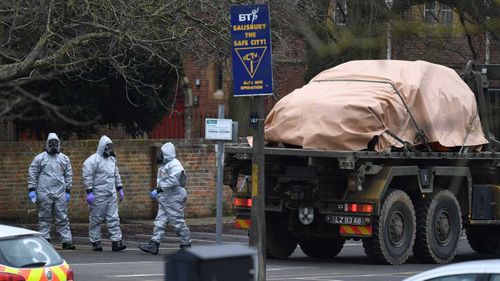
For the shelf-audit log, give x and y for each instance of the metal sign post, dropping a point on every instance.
(258, 215)
(252, 76)
(220, 130)
(220, 175)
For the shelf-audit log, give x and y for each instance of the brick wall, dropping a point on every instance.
(136, 167)
(441, 44)
(455, 54)
(494, 51)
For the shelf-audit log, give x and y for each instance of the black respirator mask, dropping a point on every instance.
(108, 151)
(53, 147)
(159, 157)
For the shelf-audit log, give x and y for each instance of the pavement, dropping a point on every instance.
(132, 229)
(207, 224)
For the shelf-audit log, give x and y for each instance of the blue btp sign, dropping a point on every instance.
(251, 48)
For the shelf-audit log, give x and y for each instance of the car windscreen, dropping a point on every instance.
(28, 251)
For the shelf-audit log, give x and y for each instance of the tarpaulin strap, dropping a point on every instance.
(420, 134)
(469, 129)
(405, 144)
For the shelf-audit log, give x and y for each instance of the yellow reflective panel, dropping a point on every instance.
(11, 270)
(59, 272)
(35, 274)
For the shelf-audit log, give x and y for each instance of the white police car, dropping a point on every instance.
(26, 256)
(478, 270)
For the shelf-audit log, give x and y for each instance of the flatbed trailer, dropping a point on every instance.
(397, 203)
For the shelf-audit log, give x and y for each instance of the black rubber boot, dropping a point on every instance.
(96, 246)
(185, 246)
(68, 246)
(151, 247)
(118, 246)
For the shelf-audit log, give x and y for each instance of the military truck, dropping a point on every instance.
(412, 198)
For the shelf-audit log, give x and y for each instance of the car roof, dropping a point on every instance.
(11, 231)
(468, 267)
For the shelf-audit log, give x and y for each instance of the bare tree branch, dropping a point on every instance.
(55, 109)
(73, 38)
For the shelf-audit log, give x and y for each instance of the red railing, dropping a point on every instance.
(174, 125)
(171, 127)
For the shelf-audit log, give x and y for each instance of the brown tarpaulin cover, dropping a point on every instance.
(344, 107)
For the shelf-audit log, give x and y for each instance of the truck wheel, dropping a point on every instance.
(439, 224)
(484, 239)
(280, 243)
(322, 248)
(393, 231)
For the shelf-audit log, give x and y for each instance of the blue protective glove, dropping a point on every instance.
(154, 194)
(32, 196)
(67, 197)
(122, 195)
(90, 198)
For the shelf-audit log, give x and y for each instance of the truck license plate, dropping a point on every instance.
(348, 220)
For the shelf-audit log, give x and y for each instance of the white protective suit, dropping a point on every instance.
(172, 196)
(102, 177)
(51, 176)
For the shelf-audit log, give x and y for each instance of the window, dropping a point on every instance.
(436, 12)
(340, 12)
(445, 14)
(219, 76)
(31, 251)
(216, 80)
(430, 12)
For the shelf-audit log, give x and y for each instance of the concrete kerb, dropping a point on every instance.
(194, 224)
(133, 228)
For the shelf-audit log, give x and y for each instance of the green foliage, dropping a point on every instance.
(362, 37)
(101, 93)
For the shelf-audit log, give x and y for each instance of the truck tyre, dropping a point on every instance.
(280, 243)
(322, 248)
(393, 231)
(484, 239)
(439, 225)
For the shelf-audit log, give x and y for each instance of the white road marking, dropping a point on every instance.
(134, 275)
(195, 234)
(327, 277)
(288, 268)
(113, 263)
(161, 248)
(223, 235)
(225, 242)
(353, 244)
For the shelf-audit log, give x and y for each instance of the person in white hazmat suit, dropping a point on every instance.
(50, 177)
(171, 195)
(102, 181)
